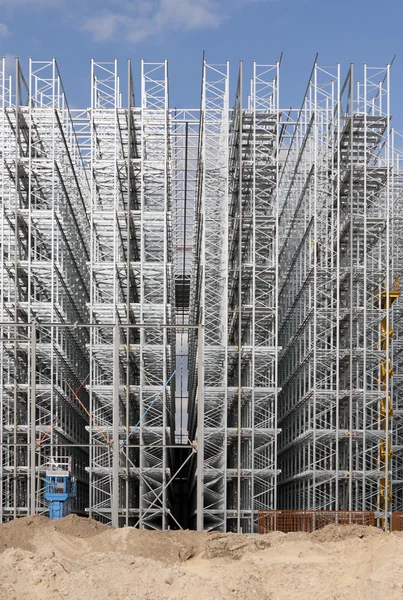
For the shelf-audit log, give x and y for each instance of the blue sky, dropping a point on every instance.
(75, 30)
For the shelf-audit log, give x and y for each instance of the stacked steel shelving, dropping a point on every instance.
(201, 303)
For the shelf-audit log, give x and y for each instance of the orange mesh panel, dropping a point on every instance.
(310, 520)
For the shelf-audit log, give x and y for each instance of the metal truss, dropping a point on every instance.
(336, 289)
(397, 324)
(131, 282)
(208, 304)
(215, 287)
(157, 348)
(234, 291)
(111, 271)
(44, 278)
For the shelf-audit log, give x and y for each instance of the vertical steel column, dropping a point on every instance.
(240, 298)
(16, 292)
(200, 332)
(115, 429)
(350, 116)
(277, 150)
(200, 429)
(338, 302)
(141, 315)
(254, 258)
(129, 291)
(314, 213)
(225, 275)
(388, 284)
(32, 436)
(165, 375)
(32, 394)
(364, 289)
(4, 452)
(109, 133)
(53, 292)
(211, 295)
(91, 405)
(157, 344)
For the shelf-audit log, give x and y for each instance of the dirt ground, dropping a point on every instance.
(80, 558)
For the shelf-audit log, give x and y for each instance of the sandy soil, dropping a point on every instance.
(80, 558)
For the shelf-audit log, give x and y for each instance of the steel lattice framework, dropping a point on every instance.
(44, 278)
(132, 282)
(234, 294)
(337, 287)
(214, 288)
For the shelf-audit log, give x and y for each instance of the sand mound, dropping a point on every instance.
(79, 527)
(82, 559)
(21, 532)
(335, 533)
(234, 546)
(170, 547)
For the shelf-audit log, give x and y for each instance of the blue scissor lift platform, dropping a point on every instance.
(60, 491)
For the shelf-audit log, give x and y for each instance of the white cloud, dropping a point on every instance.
(4, 31)
(132, 21)
(30, 3)
(104, 27)
(138, 21)
(9, 8)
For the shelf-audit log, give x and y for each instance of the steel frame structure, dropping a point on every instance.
(234, 292)
(132, 282)
(239, 264)
(87, 238)
(208, 303)
(397, 325)
(337, 287)
(44, 278)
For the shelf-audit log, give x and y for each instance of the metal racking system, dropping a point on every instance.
(214, 288)
(234, 295)
(131, 283)
(44, 279)
(337, 287)
(86, 242)
(397, 324)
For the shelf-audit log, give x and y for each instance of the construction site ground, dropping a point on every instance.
(81, 558)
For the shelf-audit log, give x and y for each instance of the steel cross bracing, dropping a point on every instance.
(335, 258)
(111, 229)
(209, 303)
(396, 400)
(158, 303)
(234, 291)
(132, 282)
(44, 277)
(275, 234)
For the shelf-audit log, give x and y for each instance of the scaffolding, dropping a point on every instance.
(131, 283)
(337, 287)
(87, 243)
(200, 308)
(44, 279)
(234, 291)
